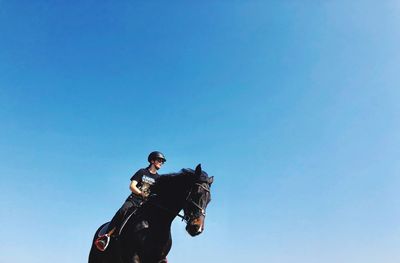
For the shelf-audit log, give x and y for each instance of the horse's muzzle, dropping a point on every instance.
(195, 227)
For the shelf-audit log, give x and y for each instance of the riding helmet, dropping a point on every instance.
(155, 155)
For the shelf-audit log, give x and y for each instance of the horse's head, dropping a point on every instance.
(196, 202)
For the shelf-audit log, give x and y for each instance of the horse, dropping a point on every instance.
(146, 236)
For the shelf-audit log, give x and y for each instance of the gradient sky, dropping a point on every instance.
(293, 107)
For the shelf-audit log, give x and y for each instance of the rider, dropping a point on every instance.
(140, 183)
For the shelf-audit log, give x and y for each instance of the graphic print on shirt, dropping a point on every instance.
(146, 182)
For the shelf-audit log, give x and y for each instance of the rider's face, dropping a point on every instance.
(158, 163)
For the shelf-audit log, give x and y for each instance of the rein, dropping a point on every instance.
(168, 210)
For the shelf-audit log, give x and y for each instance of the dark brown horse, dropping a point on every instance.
(146, 237)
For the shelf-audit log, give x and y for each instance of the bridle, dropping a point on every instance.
(189, 201)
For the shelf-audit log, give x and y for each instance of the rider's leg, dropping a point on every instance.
(113, 228)
(119, 217)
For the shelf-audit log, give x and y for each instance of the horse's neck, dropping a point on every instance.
(161, 217)
(168, 206)
(170, 199)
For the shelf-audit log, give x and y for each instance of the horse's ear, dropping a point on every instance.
(197, 172)
(210, 180)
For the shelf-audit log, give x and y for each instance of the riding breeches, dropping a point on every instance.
(131, 203)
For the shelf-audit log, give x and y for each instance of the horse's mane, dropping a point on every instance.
(172, 178)
(203, 176)
(185, 176)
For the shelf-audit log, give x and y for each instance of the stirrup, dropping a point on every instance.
(102, 242)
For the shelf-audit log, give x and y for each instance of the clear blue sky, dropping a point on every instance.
(293, 106)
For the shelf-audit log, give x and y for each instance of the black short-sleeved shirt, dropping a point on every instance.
(144, 178)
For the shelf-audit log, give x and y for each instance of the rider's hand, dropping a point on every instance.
(144, 195)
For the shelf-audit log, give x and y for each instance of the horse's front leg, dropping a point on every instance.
(151, 257)
(152, 260)
(135, 259)
(131, 257)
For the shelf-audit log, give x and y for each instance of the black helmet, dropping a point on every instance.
(155, 155)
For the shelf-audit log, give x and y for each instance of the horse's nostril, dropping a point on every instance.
(197, 228)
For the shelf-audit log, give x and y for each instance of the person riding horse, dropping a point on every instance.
(140, 184)
(146, 236)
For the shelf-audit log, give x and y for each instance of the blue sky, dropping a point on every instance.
(293, 107)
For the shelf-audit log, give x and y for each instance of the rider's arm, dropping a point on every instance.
(134, 188)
